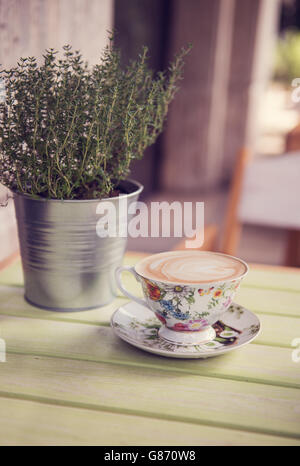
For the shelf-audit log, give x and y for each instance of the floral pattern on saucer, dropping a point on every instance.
(137, 325)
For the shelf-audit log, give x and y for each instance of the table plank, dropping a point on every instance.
(13, 274)
(260, 298)
(259, 276)
(37, 423)
(139, 391)
(273, 277)
(272, 365)
(276, 302)
(13, 303)
(278, 331)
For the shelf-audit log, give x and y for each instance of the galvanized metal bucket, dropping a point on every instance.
(67, 266)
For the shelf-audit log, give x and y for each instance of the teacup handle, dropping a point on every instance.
(129, 295)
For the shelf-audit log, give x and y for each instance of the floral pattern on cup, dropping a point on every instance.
(172, 303)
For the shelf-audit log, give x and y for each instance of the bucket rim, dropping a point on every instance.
(139, 189)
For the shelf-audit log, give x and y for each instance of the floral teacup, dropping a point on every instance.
(187, 311)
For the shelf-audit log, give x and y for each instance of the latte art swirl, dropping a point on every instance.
(190, 267)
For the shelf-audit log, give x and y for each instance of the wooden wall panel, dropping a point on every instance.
(254, 29)
(27, 27)
(185, 138)
(216, 110)
(140, 23)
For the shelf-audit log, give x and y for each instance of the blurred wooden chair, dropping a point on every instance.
(292, 141)
(210, 240)
(292, 256)
(232, 226)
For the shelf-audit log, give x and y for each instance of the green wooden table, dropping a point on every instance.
(68, 380)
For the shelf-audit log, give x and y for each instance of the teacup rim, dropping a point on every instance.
(195, 284)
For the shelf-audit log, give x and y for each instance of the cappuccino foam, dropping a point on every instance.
(190, 267)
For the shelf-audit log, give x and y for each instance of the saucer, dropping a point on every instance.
(137, 325)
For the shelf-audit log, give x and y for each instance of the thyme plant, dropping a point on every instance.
(68, 131)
